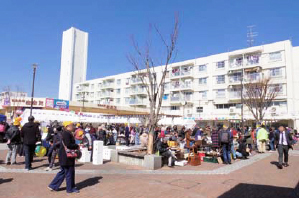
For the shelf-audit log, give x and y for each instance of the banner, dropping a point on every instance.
(61, 104)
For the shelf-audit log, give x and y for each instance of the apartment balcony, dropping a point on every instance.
(181, 86)
(138, 91)
(139, 102)
(235, 95)
(135, 81)
(181, 99)
(235, 64)
(181, 73)
(187, 86)
(107, 95)
(253, 77)
(235, 80)
(108, 86)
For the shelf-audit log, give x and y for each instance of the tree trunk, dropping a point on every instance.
(150, 145)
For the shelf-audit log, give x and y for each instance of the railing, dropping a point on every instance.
(253, 77)
(139, 90)
(253, 60)
(175, 98)
(138, 101)
(235, 79)
(180, 72)
(235, 63)
(108, 85)
(136, 80)
(235, 94)
(186, 85)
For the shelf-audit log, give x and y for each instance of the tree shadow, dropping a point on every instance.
(5, 180)
(254, 190)
(86, 183)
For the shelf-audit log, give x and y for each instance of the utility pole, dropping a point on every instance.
(32, 93)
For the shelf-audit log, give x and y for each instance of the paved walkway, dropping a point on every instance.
(256, 177)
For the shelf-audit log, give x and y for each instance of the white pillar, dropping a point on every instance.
(97, 156)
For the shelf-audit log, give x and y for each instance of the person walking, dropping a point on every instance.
(226, 141)
(127, 135)
(262, 138)
(55, 144)
(283, 141)
(272, 138)
(67, 165)
(31, 134)
(13, 137)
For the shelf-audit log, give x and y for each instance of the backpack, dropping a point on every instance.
(224, 137)
(2, 128)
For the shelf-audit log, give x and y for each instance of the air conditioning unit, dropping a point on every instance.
(232, 110)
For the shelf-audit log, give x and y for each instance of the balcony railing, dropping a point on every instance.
(136, 80)
(186, 86)
(252, 77)
(181, 72)
(253, 60)
(235, 63)
(175, 98)
(235, 94)
(107, 85)
(235, 79)
(138, 101)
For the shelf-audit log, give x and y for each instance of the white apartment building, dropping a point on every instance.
(207, 89)
(73, 61)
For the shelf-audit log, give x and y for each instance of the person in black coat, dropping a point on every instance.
(67, 165)
(164, 151)
(13, 137)
(283, 140)
(31, 134)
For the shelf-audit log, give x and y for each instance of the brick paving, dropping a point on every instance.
(257, 177)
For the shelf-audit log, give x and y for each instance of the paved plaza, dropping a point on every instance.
(256, 177)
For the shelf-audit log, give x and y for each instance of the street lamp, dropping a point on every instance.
(32, 93)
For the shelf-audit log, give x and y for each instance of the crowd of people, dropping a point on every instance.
(67, 137)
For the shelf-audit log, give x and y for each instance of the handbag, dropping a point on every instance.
(70, 153)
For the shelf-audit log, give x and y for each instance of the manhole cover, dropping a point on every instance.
(183, 183)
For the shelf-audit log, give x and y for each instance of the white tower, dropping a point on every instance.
(73, 61)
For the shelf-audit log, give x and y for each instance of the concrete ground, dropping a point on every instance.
(257, 177)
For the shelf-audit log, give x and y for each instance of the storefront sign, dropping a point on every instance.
(26, 102)
(50, 103)
(61, 104)
(107, 106)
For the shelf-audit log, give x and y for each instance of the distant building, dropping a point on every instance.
(73, 61)
(6, 96)
(208, 89)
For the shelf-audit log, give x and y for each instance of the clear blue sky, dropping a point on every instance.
(31, 31)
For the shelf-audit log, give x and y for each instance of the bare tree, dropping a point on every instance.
(144, 65)
(258, 96)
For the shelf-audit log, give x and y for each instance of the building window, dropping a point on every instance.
(220, 64)
(225, 106)
(166, 86)
(117, 100)
(279, 103)
(220, 93)
(202, 68)
(203, 94)
(202, 81)
(127, 100)
(92, 86)
(276, 72)
(117, 91)
(174, 108)
(275, 56)
(220, 79)
(199, 109)
(99, 85)
(127, 90)
(118, 82)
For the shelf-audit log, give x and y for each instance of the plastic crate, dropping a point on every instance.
(210, 159)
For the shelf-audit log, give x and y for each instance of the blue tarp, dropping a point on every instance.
(2, 117)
